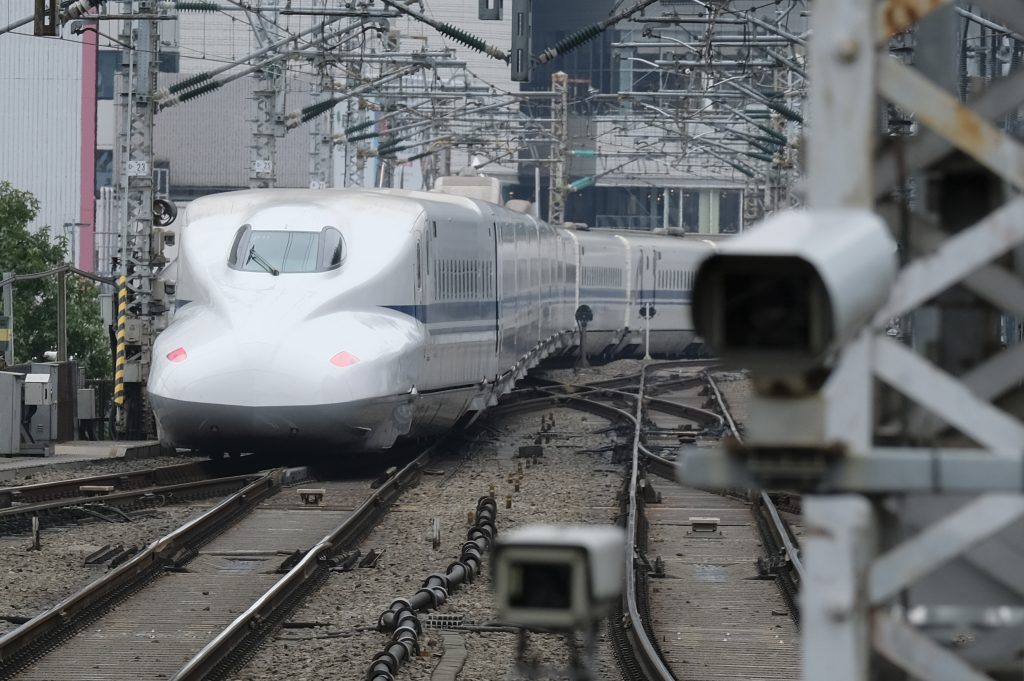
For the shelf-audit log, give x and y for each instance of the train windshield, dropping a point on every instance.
(286, 252)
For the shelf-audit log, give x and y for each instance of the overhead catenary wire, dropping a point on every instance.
(587, 34)
(453, 32)
(297, 118)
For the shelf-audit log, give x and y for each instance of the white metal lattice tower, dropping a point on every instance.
(911, 455)
(134, 179)
(268, 101)
(321, 133)
(914, 550)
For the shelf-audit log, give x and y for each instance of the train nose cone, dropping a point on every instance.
(243, 388)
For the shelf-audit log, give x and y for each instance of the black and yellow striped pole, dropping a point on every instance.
(119, 362)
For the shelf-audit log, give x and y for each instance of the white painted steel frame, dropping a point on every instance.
(850, 591)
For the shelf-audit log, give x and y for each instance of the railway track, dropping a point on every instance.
(199, 605)
(194, 603)
(110, 497)
(711, 603)
(670, 612)
(122, 481)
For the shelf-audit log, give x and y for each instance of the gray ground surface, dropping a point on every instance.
(568, 486)
(33, 581)
(89, 468)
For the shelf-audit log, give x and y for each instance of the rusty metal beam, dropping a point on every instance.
(904, 156)
(965, 129)
(896, 16)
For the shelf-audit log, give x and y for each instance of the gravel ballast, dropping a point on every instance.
(33, 581)
(569, 485)
(92, 467)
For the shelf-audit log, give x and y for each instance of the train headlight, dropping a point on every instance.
(177, 355)
(344, 359)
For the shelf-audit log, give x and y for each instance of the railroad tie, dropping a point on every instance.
(453, 658)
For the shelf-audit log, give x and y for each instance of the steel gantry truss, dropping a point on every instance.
(915, 511)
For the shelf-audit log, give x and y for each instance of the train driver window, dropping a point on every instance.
(282, 252)
(238, 246)
(331, 249)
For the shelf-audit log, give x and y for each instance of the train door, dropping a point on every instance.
(495, 287)
(522, 285)
(420, 284)
(533, 239)
(506, 293)
(418, 280)
(427, 293)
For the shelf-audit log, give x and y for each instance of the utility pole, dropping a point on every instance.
(354, 163)
(62, 316)
(560, 132)
(7, 321)
(134, 178)
(321, 133)
(268, 100)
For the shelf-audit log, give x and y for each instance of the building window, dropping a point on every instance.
(691, 210)
(729, 211)
(108, 64)
(646, 74)
(104, 168)
(169, 62)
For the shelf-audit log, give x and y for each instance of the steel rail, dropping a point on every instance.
(232, 644)
(647, 655)
(643, 650)
(147, 496)
(615, 383)
(50, 628)
(59, 489)
(780, 525)
(702, 417)
(660, 466)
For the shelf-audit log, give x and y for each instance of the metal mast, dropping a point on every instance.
(268, 100)
(560, 159)
(138, 310)
(354, 163)
(321, 133)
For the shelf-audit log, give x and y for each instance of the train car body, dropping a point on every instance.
(345, 319)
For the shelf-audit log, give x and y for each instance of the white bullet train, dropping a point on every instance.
(341, 320)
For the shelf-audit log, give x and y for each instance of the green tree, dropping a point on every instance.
(35, 302)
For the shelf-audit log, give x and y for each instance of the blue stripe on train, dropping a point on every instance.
(483, 310)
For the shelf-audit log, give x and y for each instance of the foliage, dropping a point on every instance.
(35, 302)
